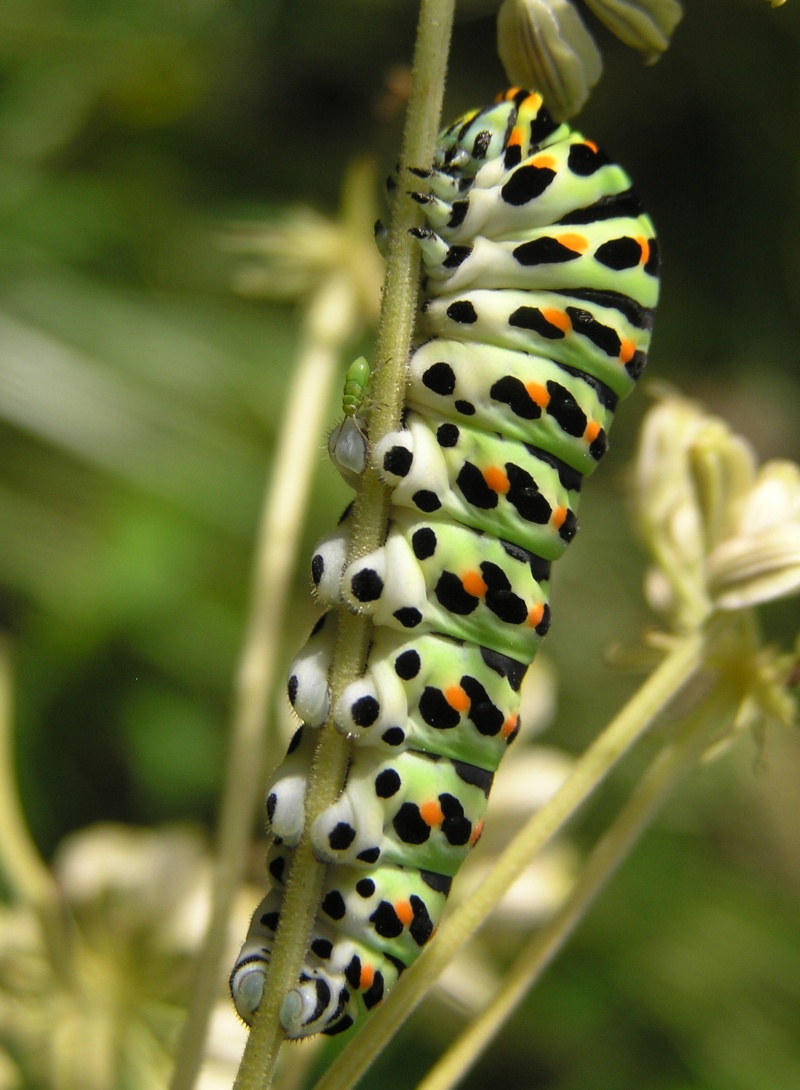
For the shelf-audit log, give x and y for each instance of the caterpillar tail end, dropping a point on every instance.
(314, 1005)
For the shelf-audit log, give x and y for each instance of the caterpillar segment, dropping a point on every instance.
(540, 282)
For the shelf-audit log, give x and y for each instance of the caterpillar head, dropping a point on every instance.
(518, 123)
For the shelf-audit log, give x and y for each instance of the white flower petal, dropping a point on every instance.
(754, 568)
(775, 499)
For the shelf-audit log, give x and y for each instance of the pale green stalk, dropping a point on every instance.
(25, 874)
(685, 659)
(29, 882)
(302, 897)
(700, 731)
(281, 524)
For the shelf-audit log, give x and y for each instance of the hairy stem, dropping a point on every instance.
(302, 897)
(609, 853)
(686, 658)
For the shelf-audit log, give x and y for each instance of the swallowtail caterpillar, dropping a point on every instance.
(541, 275)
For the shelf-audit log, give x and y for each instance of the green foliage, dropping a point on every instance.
(139, 403)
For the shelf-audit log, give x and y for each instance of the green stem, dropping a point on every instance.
(302, 897)
(276, 555)
(28, 879)
(682, 663)
(608, 854)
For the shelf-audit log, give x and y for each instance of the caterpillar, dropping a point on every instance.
(541, 275)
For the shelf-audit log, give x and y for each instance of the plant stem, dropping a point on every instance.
(29, 881)
(27, 877)
(685, 660)
(326, 778)
(608, 854)
(282, 515)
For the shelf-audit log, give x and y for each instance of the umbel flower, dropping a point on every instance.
(545, 44)
(102, 1008)
(724, 532)
(724, 535)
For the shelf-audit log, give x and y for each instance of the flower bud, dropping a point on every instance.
(544, 45)
(646, 25)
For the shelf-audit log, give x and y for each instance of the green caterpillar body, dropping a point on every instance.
(541, 279)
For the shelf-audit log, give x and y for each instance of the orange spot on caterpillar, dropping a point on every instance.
(367, 977)
(559, 514)
(535, 616)
(591, 144)
(476, 833)
(404, 911)
(516, 137)
(558, 318)
(473, 584)
(626, 351)
(431, 813)
(546, 161)
(538, 394)
(645, 246)
(457, 698)
(592, 431)
(496, 479)
(573, 242)
(510, 724)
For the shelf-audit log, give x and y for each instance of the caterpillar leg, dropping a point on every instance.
(286, 793)
(308, 689)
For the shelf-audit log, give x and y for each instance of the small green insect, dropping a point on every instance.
(356, 387)
(347, 443)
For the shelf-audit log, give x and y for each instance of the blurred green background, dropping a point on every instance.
(139, 404)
